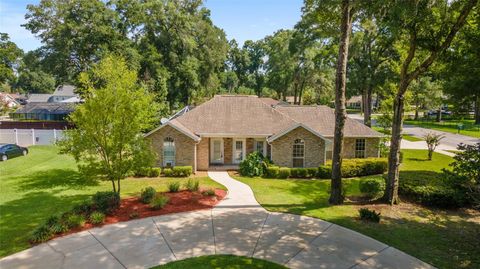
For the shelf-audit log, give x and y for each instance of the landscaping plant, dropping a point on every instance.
(372, 187)
(41, 234)
(192, 185)
(369, 215)
(253, 165)
(147, 195)
(106, 201)
(174, 186)
(209, 192)
(97, 217)
(75, 221)
(159, 202)
(154, 172)
(433, 140)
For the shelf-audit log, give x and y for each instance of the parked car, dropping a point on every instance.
(434, 113)
(8, 151)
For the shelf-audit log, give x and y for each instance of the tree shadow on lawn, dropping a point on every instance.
(18, 218)
(54, 178)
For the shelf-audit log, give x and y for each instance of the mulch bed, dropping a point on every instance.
(132, 208)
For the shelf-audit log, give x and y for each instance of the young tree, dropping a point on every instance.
(107, 140)
(432, 140)
(429, 26)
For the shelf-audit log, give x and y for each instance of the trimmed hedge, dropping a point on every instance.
(356, 168)
(372, 187)
(303, 172)
(284, 172)
(272, 171)
(178, 171)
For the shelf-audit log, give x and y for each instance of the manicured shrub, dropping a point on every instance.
(182, 171)
(372, 187)
(356, 167)
(41, 234)
(192, 185)
(52, 220)
(154, 172)
(83, 208)
(253, 165)
(159, 202)
(97, 217)
(74, 221)
(168, 172)
(147, 195)
(325, 171)
(209, 192)
(437, 190)
(272, 171)
(142, 172)
(283, 172)
(298, 172)
(311, 172)
(106, 201)
(369, 215)
(174, 186)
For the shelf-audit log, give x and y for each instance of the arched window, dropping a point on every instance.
(298, 153)
(168, 152)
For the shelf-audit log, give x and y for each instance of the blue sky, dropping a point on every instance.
(241, 19)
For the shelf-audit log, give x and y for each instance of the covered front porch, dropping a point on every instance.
(226, 153)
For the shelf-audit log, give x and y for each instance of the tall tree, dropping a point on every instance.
(336, 195)
(428, 27)
(9, 58)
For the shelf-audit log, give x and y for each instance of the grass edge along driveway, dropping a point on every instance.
(449, 126)
(44, 183)
(443, 238)
(221, 261)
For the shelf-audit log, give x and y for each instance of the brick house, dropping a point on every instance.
(225, 129)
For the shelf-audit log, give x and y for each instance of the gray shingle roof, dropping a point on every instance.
(38, 97)
(245, 115)
(64, 90)
(44, 108)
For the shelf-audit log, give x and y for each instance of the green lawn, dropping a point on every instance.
(221, 261)
(404, 136)
(449, 126)
(446, 239)
(44, 183)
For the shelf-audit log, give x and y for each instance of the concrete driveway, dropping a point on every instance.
(238, 225)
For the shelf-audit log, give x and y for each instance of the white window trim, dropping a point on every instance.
(244, 149)
(364, 148)
(264, 150)
(304, 153)
(174, 152)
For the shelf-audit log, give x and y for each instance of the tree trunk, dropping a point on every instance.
(113, 185)
(439, 115)
(367, 107)
(336, 195)
(416, 113)
(391, 191)
(477, 110)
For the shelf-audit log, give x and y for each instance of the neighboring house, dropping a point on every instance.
(61, 94)
(223, 130)
(355, 102)
(7, 100)
(43, 111)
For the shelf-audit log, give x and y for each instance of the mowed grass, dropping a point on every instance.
(44, 183)
(450, 126)
(444, 238)
(408, 137)
(221, 261)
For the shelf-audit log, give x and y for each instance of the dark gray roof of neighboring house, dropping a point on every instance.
(38, 97)
(246, 115)
(65, 90)
(46, 108)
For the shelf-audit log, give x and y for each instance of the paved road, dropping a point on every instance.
(449, 142)
(238, 225)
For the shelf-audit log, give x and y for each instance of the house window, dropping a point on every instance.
(168, 152)
(298, 153)
(260, 147)
(360, 148)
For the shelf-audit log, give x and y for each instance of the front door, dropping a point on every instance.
(216, 150)
(238, 150)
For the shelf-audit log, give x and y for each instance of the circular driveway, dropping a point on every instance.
(238, 225)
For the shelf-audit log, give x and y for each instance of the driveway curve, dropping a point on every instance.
(237, 225)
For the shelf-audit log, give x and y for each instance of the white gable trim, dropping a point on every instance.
(194, 137)
(293, 127)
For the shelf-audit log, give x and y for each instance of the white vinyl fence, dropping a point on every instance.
(29, 137)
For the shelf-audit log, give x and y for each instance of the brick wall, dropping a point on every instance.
(249, 146)
(184, 146)
(371, 147)
(227, 150)
(282, 148)
(203, 157)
